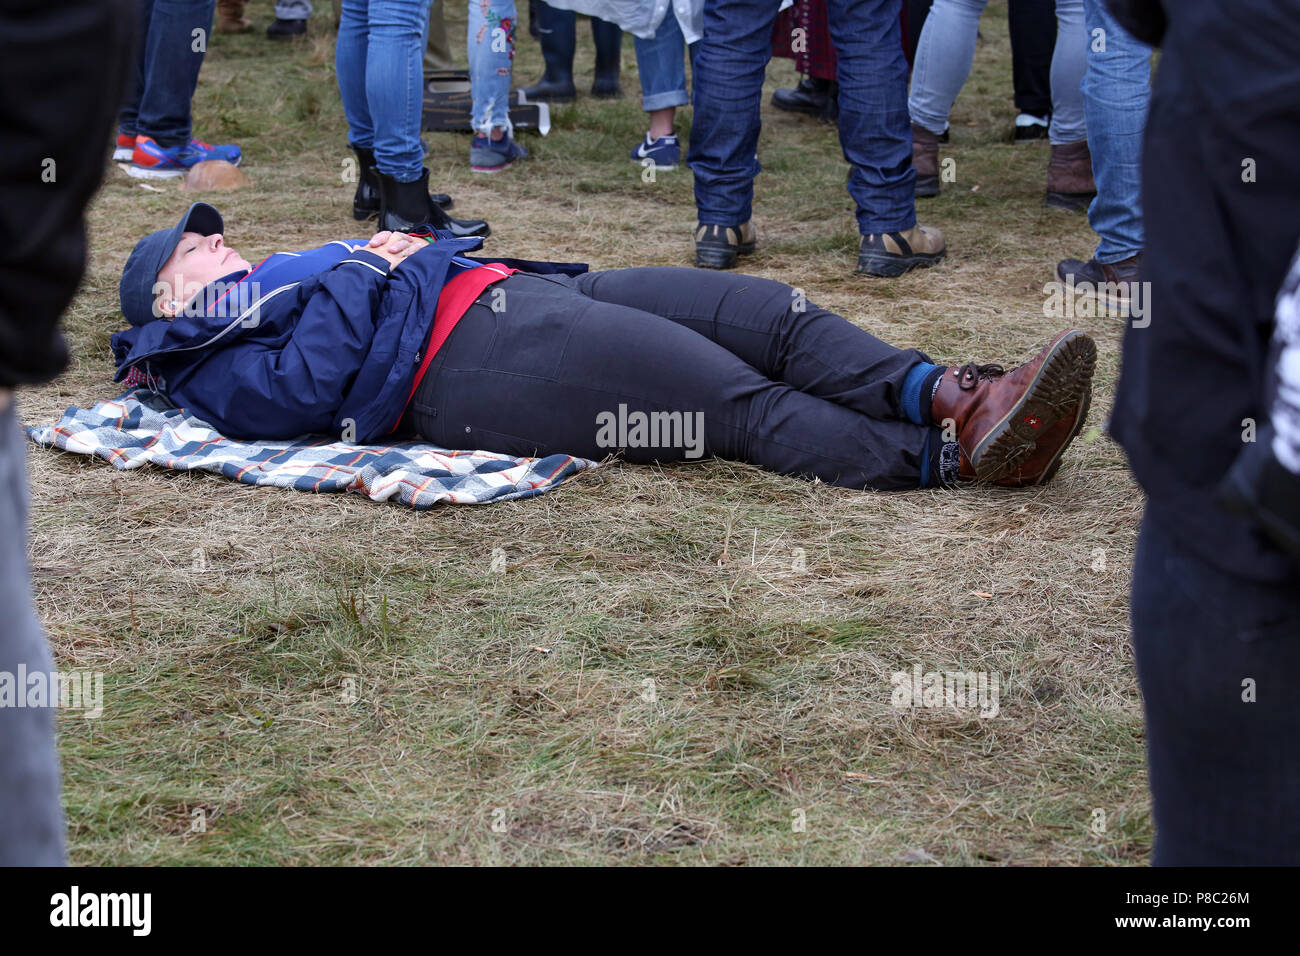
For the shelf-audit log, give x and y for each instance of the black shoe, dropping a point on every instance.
(1111, 283)
(286, 29)
(402, 206)
(812, 96)
(365, 204)
(717, 247)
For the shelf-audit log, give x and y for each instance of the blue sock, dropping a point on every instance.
(915, 400)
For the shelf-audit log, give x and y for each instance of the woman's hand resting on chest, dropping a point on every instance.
(396, 247)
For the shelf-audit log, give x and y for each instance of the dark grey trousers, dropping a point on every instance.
(31, 817)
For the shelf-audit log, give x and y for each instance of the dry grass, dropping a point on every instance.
(653, 679)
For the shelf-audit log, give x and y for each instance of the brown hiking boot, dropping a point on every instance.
(925, 159)
(230, 17)
(1069, 177)
(890, 254)
(717, 247)
(1007, 422)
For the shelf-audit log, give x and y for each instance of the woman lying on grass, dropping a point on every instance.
(407, 337)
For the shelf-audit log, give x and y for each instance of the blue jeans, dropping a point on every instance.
(166, 70)
(379, 59)
(1116, 93)
(947, 48)
(874, 133)
(491, 47)
(659, 62)
(292, 9)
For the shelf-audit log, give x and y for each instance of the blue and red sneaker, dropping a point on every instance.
(151, 161)
(203, 151)
(123, 148)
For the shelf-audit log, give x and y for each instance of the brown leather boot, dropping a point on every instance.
(925, 159)
(889, 254)
(1069, 177)
(230, 17)
(1007, 422)
(1045, 460)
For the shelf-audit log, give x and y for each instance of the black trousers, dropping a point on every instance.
(1218, 659)
(1216, 608)
(542, 365)
(62, 69)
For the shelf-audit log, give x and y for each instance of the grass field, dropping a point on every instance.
(686, 664)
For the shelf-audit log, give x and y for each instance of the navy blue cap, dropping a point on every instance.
(136, 291)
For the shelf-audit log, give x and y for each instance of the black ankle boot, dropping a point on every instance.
(609, 48)
(556, 34)
(365, 204)
(402, 206)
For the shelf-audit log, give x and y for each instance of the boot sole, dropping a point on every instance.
(1050, 472)
(884, 266)
(927, 186)
(1063, 380)
(713, 258)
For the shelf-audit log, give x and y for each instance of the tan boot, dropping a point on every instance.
(1013, 426)
(889, 254)
(925, 159)
(230, 17)
(1069, 177)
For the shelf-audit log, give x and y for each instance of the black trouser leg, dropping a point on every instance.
(1032, 25)
(62, 70)
(770, 326)
(1218, 658)
(549, 370)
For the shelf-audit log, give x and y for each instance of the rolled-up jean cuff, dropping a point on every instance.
(661, 101)
(1109, 258)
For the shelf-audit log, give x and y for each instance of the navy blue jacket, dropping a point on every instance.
(323, 341)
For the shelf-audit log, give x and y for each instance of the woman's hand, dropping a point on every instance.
(396, 247)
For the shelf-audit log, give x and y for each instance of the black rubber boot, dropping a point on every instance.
(815, 97)
(609, 48)
(556, 33)
(402, 206)
(365, 204)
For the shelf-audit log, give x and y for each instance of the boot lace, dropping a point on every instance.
(970, 374)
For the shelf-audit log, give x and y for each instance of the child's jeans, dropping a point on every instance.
(491, 47)
(659, 61)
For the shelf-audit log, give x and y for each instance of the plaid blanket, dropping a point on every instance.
(140, 427)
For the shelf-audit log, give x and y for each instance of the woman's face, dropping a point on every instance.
(197, 261)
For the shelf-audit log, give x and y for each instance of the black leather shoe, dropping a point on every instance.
(365, 204)
(286, 29)
(812, 96)
(1113, 283)
(405, 205)
(718, 247)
